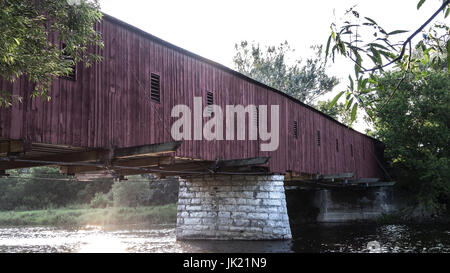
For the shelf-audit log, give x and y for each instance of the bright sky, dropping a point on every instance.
(210, 28)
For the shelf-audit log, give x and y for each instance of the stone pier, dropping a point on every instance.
(338, 205)
(232, 207)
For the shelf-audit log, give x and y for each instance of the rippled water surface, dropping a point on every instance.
(310, 238)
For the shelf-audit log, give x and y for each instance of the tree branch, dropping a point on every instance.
(402, 53)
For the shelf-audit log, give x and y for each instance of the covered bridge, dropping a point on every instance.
(114, 119)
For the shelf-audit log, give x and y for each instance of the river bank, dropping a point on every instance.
(79, 216)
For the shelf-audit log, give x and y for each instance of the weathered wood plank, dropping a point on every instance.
(336, 176)
(146, 150)
(242, 162)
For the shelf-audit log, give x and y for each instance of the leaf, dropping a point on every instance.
(378, 45)
(342, 48)
(336, 98)
(328, 47)
(397, 32)
(448, 56)
(371, 20)
(420, 4)
(357, 70)
(376, 58)
(349, 104)
(354, 110)
(447, 12)
(352, 84)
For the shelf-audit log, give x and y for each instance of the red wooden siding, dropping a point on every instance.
(109, 105)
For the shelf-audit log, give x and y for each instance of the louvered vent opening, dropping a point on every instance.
(155, 93)
(318, 138)
(66, 57)
(295, 129)
(209, 101)
(256, 118)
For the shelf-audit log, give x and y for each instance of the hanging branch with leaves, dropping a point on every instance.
(26, 46)
(382, 52)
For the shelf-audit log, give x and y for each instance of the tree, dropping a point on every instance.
(44, 187)
(131, 193)
(382, 51)
(338, 111)
(403, 88)
(32, 38)
(414, 126)
(305, 82)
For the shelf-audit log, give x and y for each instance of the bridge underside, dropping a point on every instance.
(88, 164)
(236, 199)
(118, 162)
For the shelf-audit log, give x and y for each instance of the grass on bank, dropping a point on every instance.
(152, 215)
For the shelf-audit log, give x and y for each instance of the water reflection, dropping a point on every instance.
(309, 238)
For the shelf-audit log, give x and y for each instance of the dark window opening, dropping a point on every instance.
(66, 57)
(351, 149)
(155, 87)
(295, 129)
(364, 152)
(337, 145)
(318, 138)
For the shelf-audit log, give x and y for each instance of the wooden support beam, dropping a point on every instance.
(335, 176)
(100, 156)
(381, 184)
(94, 175)
(242, 162)
(146, 150)
(299, 176)
(140, 162)
(364, 180)
(78, 169)
(89, 156)
(188, 166)
(244, 169)
(9, 165)
(144, 162)
(11, 146)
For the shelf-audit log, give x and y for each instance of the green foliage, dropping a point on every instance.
(101, 200)
(131, 193)
(381, 49)
(336, 111)
(409, 105)
(45, 187)
(27, 45)
(414, 126)
(305, 82)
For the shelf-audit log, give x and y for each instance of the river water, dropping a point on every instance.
(310, 238)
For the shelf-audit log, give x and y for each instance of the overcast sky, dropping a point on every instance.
(210, 28)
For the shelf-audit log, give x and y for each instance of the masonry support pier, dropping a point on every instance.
(232, 207)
